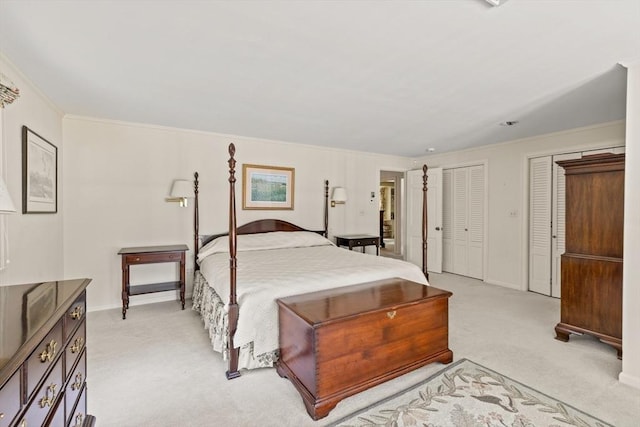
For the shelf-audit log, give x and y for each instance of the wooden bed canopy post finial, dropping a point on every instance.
(196, 222)
(233, 239)
(424, 221)
(326, 208)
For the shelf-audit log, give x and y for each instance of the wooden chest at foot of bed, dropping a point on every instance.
(339, 342)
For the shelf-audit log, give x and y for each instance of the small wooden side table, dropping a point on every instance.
(151, 255)
(363, 240)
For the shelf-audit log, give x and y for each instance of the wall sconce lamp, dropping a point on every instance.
(6, 205)
(338, 196)
(181, 191)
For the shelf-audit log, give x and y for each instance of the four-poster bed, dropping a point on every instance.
(279, 260)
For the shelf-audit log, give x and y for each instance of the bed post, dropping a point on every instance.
(326, 208)
(424, 221)
(233, 237)
(196, 223)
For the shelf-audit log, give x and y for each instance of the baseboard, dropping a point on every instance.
(503, 284)
(629, 380)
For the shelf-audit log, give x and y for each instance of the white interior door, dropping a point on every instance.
(460, 224)
(434, 220)
(558, 211)
(540, 180)
(447, 220)
(434, 217)
(475, 222)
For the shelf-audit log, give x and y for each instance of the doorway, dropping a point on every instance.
(391, 189)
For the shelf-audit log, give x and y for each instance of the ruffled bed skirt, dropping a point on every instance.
(214, 314)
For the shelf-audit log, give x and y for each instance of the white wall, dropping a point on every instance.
(507, 173)
(35, 240)
(631, 275)
(117, 176)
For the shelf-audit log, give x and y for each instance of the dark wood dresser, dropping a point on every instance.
(43, 359)
(591, 267)
(339, 342)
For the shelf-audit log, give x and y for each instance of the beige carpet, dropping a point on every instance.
(156, 367)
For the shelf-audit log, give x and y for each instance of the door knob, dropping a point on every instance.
(437, 228)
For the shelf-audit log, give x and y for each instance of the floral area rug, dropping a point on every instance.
(470, 395)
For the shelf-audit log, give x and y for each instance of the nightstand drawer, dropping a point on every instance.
(152, 258)
(365, 242)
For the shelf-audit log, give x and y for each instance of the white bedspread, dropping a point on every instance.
(263, 275)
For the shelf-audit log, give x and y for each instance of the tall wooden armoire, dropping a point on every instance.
(591, 295)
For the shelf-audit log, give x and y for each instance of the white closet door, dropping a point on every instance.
(540, 225)
(434, 220)
(447, 220)
(558, 223)
(476, 222)
(460, 225)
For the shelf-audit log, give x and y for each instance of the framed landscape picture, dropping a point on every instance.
(39, 174)
(267, 187)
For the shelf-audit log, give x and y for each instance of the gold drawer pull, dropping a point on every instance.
(78, 382)
(391, 314)
(77, 312)
(79, 419)
(49, 353)
(1, 415)
(137, 259)
(77, 345)
(48, 400)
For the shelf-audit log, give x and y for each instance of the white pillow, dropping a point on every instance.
(262, 241)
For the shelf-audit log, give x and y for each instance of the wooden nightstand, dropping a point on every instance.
(363, 240)
(151, 255)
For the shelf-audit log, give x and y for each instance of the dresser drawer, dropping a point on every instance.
(75, 385)
(74, 315)
(77, 417)
(74, 348)
(57, 419)
(10, 400)
(46, 398)
(151, 258)
(43, 357)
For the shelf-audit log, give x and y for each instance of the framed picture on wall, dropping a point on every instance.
(267, 187)
(39, 174)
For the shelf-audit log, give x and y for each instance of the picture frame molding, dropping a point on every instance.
(288, 173)
(31, 142)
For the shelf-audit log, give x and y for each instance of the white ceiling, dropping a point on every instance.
(391, 77)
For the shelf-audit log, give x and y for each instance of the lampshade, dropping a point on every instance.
(339, 195)
(181, 188)
(6, 205)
